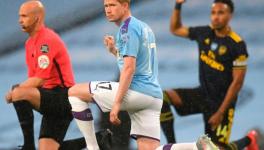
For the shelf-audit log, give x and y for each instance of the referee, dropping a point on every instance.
(46, 88)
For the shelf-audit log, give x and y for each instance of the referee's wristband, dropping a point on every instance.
(178, 6)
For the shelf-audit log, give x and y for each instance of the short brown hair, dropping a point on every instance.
(124, 1)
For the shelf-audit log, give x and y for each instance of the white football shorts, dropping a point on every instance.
(144, 110)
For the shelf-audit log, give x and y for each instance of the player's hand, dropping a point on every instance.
(216, 120)
(8, 97)
(14, 86)
(109, 42)
(114, 114)
(180, 1)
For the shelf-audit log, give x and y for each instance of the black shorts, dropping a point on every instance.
(195, 101)
(56, 111)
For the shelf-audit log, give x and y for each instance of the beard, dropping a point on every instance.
(28, 28)
(218, 26)
(24, 28)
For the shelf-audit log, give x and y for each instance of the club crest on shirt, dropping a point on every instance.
(214, 46)
(43, 61)
(222, 50)
(44, 48)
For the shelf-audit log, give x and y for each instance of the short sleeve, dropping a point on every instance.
(28, 57)
(131, 43)
(196, 32)
(240, 55)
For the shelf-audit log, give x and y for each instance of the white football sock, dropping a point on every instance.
(83, 116)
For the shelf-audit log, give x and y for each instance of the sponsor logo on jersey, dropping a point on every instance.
(211, 62)
(211, 54)
(214, 46)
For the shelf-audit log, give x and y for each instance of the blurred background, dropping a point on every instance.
(82, 25)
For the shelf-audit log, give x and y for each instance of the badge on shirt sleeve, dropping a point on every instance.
(240, 61)
(44, 48)
(43, 61)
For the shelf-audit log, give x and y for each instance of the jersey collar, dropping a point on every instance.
(41, 29)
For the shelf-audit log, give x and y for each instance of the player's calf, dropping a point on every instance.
(84, 119)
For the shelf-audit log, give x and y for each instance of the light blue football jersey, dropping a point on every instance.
(135, 38)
